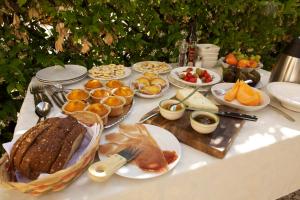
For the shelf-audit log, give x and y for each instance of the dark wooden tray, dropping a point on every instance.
(216, 143)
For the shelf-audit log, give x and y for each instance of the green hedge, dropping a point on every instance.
(91, 32)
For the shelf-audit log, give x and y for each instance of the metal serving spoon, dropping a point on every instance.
(42, 109)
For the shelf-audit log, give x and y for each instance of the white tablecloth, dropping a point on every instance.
(263, 163)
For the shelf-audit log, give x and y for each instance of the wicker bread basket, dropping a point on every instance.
(59, 180)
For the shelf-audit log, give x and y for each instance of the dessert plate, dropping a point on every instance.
(57, 73)
(165, 140)
(152, 66)
(177, 71)
(287, 93)
(235, 104)
(127, 72)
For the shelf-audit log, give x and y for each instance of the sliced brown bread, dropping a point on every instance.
(40, 156)
(47, 147)
(70, 145)
(25, 141)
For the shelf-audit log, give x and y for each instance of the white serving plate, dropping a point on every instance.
(67, 82)
(235, 104)
(127, 73)
(165, 140)
(136, 67)
(59, 73)
(287, 93)
(216, 77)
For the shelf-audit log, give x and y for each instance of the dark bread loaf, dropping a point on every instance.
(69, 146)
(26, 140)
(41, 147)
(43, 152)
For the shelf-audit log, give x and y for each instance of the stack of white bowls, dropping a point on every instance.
(209, 54)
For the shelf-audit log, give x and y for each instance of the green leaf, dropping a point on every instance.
(21, 2)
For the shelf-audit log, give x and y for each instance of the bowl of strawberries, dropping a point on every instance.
(242, 61)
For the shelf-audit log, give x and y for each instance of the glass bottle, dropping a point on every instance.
(192, 42)
(182, 58)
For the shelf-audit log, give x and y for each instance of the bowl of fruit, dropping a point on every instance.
(241, 61)
(195, 76)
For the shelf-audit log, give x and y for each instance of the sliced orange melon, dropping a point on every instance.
(247, 95)
(231, 94)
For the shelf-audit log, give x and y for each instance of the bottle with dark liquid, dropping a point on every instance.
(192, 41)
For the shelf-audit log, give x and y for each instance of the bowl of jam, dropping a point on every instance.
(204, 122)
(164, 109)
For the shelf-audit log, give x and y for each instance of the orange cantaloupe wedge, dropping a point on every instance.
(231, 94)
(246, 95)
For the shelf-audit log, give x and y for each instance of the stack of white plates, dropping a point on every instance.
(64, 75)
(209, 54)
(287, 93)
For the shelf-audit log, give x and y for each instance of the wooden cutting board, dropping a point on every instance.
(216, 143)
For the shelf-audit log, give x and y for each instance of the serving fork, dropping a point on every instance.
(53, 92)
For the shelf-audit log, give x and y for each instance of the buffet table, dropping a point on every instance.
(263, 163)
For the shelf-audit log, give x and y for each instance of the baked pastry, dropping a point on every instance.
(142, 81)
(78, 94)
(151, 90)
(116, 103)
(114, 84)
(73, 106)
(125, 92)
(150, 75)
(98, 94)
(101, 110)
(159, 81)
(93, 84)
(46, 147)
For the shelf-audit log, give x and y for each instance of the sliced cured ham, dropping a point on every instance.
(111, 148)
(151, 158)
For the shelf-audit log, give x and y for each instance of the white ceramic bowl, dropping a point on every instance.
(209, 58)
(204, 128)
(287, 93)
(207, 54)
(171, 115)
(209, 64)
(208, 48)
